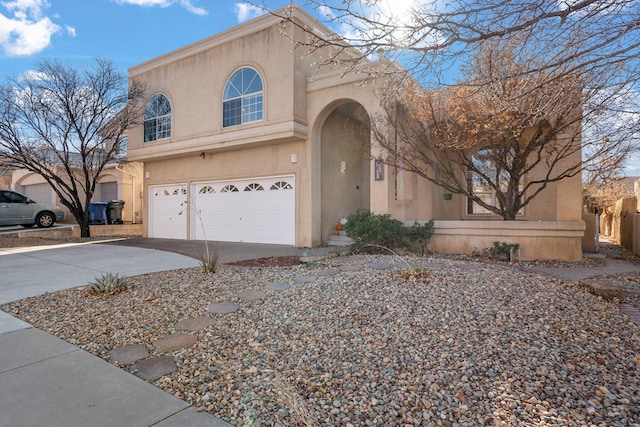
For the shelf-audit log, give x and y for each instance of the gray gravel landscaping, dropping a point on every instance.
(367, 344)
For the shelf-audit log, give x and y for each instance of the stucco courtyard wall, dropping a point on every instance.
(538, 240)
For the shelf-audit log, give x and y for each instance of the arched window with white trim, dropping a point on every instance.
(242, 101)
(157, 118)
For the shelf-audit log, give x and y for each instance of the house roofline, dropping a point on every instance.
(252, 26)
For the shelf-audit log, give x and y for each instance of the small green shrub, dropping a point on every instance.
(419, 236)
(108, 283)
(366, 228)
(502, 250)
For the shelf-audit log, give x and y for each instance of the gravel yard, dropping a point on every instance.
(356, 342)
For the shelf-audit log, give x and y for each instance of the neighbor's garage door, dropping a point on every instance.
(260, 210)
(41, 193)
(168, 211)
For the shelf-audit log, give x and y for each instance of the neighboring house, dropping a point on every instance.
(117, 182)
(6, 169)
(245, 139)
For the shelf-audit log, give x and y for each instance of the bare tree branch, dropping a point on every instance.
(511, 138)
(67, 125)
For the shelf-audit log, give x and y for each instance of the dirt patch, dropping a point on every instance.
(281, 261)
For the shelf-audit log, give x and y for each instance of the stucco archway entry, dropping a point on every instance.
(345, 147)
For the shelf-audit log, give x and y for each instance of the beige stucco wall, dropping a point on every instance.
(130, 186)
(590, 238)
(538, 240)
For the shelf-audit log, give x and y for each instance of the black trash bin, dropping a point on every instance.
(114, 211)
(98, 213)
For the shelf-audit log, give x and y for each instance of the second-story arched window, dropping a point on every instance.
(242, 101)
(157, 118)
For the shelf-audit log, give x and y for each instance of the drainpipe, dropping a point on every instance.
(133, 193)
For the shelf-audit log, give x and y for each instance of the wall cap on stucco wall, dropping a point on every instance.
(516, 228)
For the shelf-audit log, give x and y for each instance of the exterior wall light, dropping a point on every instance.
(343, 166)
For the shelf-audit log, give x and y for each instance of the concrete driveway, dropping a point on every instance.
(35, 270)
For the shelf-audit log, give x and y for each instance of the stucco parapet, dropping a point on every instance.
(511, 228)
(260, 23)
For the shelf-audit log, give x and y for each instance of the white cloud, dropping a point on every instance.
(22, 8)
(246, 11)
(326, 11)
(187, 4)
(71, 31)
(33, 75)
(191, 8)
(146, 3)
(24, 30)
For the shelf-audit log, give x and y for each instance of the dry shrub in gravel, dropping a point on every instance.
(417, 275)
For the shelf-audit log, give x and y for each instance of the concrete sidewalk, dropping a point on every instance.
(45, 381)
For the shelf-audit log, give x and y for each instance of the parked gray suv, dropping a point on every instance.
(18, 209)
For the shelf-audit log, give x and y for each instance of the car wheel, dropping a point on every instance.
(28, 225)
(45, 220)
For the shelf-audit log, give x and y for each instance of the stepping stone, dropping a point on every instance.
(466, 266)
(305, 279)
(154, 368)
(632, 312)
(327, 272)
(223, 307)
(606, 289)
(174, 342)
(349, 260)
(252, 295)
(128, 353)
(194, 324)
(351, 267)
(278, 286)
(380, 265)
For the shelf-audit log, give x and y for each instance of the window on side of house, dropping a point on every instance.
(242, 101)
(157, 118)
(479, 186)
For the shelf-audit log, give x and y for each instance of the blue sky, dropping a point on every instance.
(127, 32)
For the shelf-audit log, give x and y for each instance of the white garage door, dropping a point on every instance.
(260, 210)
(41, 193)
(168, 211)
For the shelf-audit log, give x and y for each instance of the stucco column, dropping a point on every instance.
(381, 191)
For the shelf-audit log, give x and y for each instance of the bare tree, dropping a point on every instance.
(500, 140)
(430, 38)
(595, 41)
(67, 125)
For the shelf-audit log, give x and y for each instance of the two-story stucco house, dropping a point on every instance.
(244, 139)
